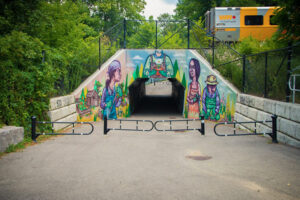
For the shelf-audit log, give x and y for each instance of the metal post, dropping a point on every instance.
(100, 53)
(188, 33)
(105, 125)
(287, 90)
(244, 73)
(156, 34)
(202, 125)
(213, 51)
(124, 25)
(266, 74)
(33, 128)
(274, 129)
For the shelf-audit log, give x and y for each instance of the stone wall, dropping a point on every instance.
(250, 108)
(62, 109)
(10, 135)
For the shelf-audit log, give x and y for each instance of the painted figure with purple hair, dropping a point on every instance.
(194, 90)
(112, 94)
(211, 99)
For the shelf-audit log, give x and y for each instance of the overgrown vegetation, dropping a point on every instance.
(47, 48)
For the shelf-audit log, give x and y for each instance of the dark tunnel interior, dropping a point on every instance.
(145, 104)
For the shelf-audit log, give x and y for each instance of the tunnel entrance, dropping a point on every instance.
(153, 97)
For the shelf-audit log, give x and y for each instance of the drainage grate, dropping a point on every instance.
(199, 157)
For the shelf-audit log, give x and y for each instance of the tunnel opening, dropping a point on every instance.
(152, 97)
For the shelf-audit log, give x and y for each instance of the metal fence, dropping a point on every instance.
(272, 134)
(265, 74)
(35, 134)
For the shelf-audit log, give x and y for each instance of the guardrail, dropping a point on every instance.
(273, 134)
(153, 125)
(35, 134)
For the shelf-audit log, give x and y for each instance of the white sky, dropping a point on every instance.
(157, 7)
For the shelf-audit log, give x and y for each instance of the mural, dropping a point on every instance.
(211, 99)
(107, 93)
(194, 90)
(112, 94)
(158, 65)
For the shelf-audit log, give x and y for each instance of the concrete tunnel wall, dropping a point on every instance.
(135, 66)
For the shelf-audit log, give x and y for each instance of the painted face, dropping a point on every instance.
(192, 69)
(117, 75)
(158, 53)
(211, 89)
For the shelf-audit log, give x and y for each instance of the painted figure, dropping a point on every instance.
(211, 99)
(194, 90)
(158, 65)
(112, 94)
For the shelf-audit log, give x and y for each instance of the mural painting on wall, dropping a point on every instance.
(109, 99)
(207, 101)
(158, 65)
(194, 89)
(107, 95)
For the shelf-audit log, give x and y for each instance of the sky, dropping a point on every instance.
(157, 7)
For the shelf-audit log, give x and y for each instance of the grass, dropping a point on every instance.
(25, 143)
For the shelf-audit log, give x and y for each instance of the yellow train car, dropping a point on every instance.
(237, 23)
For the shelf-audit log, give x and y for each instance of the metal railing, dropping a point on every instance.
(35, 134)
(273, 134)
(187, 128)
(121, 125)
(138, 123)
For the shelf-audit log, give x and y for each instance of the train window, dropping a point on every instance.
(254, 20)
(272, 22)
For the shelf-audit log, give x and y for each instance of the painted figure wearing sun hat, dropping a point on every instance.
(211, 99)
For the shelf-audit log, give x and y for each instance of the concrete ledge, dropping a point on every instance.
(69, 118)
(10, 135)
(289, 127)
(62, 112)
(63, 101)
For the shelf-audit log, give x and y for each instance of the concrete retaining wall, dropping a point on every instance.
(62, 109)
(249, 108)
(10, 135)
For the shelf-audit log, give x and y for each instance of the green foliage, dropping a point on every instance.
(288, 18)
(67, 32)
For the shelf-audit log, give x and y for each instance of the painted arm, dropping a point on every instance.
(102, 104)
(217, 102)
(169, 67)
(203, 100)
(119, 95)
(190, 101)
(147, 69)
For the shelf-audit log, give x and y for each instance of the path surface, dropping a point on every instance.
(154, 165)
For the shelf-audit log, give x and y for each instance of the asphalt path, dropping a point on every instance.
(152, 165)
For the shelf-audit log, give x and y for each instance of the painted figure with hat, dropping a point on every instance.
(158, 65)
(211, 99)
(112, 94)
(194, 90)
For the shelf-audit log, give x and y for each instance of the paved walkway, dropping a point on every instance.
(154, 165)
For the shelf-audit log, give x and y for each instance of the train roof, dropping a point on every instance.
(246, 8)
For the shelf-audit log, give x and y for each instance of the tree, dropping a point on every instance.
(288, 19)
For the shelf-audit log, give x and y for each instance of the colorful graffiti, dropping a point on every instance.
(194, 89)
(158, 65)
(108, 93)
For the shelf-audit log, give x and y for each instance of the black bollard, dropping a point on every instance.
(274, 129)
(105, 125)
(202, 125)
(33, 128)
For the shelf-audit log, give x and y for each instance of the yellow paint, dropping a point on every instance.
(259, 32)
(230, 29)
(85, 91)
(141, 70)
(131, 80)
(225, 17)
(178, 76)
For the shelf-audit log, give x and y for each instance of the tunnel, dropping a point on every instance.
(153, 97)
